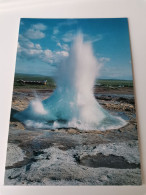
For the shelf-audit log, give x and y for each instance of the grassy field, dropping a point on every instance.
(27, 77)
(114, 83)
(51, 83)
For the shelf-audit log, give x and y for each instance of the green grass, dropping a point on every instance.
(28, 77)
(114, 83)
(52, 85)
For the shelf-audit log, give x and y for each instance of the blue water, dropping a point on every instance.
(73, 103)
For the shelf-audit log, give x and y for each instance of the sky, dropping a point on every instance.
(44, 43)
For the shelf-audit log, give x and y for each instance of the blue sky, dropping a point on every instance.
(44, 43)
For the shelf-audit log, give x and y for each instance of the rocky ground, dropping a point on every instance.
(71, 156)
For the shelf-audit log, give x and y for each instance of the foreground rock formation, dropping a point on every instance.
(71, 156)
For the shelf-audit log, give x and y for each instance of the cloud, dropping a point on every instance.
(47, 56)
(48, 53)
(62, 53)
(39, 26)
(68, 37)
(35, 32)
(97, 38)
(30, 51)
(23, 42)
(55, 31)
(93, 39)
(67, 22)
(59, 44)
(53, 57)
(63, 46)
(38, 46)
(27, 49)
(104, 59)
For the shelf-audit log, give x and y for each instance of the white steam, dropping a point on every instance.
(73, 103)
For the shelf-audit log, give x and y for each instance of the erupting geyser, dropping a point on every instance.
(73, 103)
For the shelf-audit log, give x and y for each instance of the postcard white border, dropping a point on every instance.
(10, 13)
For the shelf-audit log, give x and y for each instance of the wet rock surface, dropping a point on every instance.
(110, 161)
(71, 156)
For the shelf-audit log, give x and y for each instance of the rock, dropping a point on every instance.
(62, 169)
(73, 131)
(53, 157)
(126, 100)
(14, 154)
(16, 126)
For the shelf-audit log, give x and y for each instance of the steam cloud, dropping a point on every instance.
(73, 103)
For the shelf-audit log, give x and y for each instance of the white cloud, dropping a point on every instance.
(39, 26)
(48, 53)
(47, 56)
(27, 49)
(59, 44)
(68, 37)
(67, 22)
(63, 46)
(24, 42)
(53, 37)
(55, 31)
(62, 53)
(97, 38)
(35, 52)
(53, 57)
(104, 59)
(31, 45)
(94, 39)
(31, 51)
(38, 46)
(35, 32)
